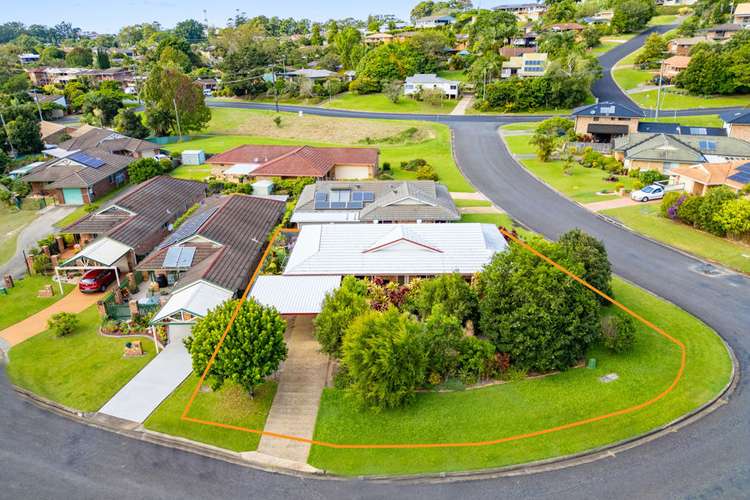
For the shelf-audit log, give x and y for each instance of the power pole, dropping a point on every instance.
(658, 92)
(177, 116)
(7, 136)
(38, 108)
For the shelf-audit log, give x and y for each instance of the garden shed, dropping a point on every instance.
(193, 157)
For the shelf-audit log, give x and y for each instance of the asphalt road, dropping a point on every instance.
(45, 456)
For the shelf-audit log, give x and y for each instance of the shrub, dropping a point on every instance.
(476, 360)
(385, 357)
(713, 201)
(441, 337)
(734, 217)
(689, 210)
(669, 204)
(650, 176)
(451, 292)
(62, 323)
(144, 169)
(413, 165)
(618, 333)
(590, 252)
(340, 308)
(386, 167)
(427, 173)
(365, 85)
(433, 97)
(41, 263)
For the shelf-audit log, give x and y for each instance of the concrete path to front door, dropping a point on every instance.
(295, 406)
(157, 380)
(462, 105)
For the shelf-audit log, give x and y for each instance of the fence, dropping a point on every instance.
(599, 147)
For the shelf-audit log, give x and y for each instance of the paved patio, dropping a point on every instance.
(295, 406)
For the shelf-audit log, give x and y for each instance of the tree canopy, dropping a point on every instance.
(167, 88)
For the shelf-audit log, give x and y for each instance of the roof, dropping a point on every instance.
(45, 98)
(568, 27)
(294, 294)
(724, 27)
(312, 73)
(102, 138)
(295, 161)
(694, 40)
(607, 128)
(428, 78)
(677, 61)
(742, 9)
(47, 129)
(228, 234)
(738, 117)
(716, 174)
(608, 108)
(105, 251)
(197, 299)
(427, 19)
(142, 213)
(677, 129)
(393, 249)
(76, 169)
(683, 148)
(426, 201)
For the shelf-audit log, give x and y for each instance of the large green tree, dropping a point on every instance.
(491, 30)
(587, 250)
(252, 350)
(450, 291)
(340, 308)
(631, 16)
(129, 123)
(348, 45)
(190, 30)
(175, 99)
(391, 61)
(23, 133)
(79, 57)
(541, 317)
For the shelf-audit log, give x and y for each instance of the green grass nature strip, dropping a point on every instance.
(12, 222)
(22, 301)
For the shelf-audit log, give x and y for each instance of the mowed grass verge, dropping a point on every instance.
(12, 221)
(674, 100)
(22, 301)
(532, 405)
(83, 370)
(645, 219)
(380, 103)
(433, 143)
(229, 405)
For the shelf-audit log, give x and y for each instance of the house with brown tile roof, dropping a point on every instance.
(264, 162)
(111, 141)
(674, 65)
(698, 179)
(212, 255)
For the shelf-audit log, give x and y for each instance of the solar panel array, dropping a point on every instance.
(87, 160)
(188, 228)
(179, 257)
(707, 145)
(698, 131)
(743, 175)
(357, 201)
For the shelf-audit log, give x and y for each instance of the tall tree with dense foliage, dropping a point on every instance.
(631, 16)
(541, 317)
(129, 123)
(560, 11)
(100, 107)
(102, 59)
(171, 95)
(143, 169)
(191, 31)
(653, 52)
(491, 30)
(348, 45)
(23, 133)
(384, 358)
(339, 309)
(451, 291)
(391, 61)
(243, 69)
(79, 57)
(587, 250)
(252, 350)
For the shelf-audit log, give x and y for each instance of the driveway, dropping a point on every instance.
(29, 235)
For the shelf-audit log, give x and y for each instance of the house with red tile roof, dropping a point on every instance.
(263, 162)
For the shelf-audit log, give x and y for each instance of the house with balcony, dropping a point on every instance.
(434, 21)
(683, 46)
(741, 15)
(529, 11)
(604, 121)
(721, 32)
(419, 82)
(527, 65)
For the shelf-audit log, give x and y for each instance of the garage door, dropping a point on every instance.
(179, 332)
(72, 196)
(352, 172)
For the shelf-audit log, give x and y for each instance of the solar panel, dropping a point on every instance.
(179, 257)
(356, 205)
(321, 196)
(357, 196)
(87, 160)
(744, 168)
(189, 227)
(321, 205)
(607, 110)
(698, 131)
(742, 177)
(707, 145)
(368, 196)
(338, 204)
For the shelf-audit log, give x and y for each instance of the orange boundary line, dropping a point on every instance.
(518, 437)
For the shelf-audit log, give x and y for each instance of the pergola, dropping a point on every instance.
(101, 254)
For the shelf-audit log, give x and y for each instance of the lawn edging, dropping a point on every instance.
(266, 463)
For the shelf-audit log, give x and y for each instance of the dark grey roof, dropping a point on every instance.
(677, 129)
(66, 172)
(724, 27)
(149, 208)
(608, 109)
(393, 201)
(683, 148)
(108, 140)
(739, 117)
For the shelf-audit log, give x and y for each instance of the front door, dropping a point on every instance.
(72, 196)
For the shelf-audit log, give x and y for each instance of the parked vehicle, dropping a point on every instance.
(208, 92)
(96, 280)
(654, 191)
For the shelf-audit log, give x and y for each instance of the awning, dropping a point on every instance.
(602, 128)
(196, 299)
(294, 294)
(104, 251)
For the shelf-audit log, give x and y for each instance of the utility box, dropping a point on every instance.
(263, 188)
(193, 157)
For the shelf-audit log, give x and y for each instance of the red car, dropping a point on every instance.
(96, 280)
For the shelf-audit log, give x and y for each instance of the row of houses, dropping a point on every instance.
(46, 75)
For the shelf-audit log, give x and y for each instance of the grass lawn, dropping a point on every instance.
(604, 46)
(645, 219)
(581, 185)
(472, 203)
(690, 121)
(21, 301)
(86, 209)
(531, 405)
(230, 405)
(661, 20)
(630, 78)
(379, 103)
(12, 221)
(674, 100)
(192, 172)
(432, 141)
(519, 144)
(457, 75)
(83, 370)
(529, 127)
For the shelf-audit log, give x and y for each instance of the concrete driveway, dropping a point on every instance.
(40, 227)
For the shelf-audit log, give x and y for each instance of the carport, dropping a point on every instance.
(104, 253)
(294, 295)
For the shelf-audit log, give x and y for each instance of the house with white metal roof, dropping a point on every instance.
(421, 81)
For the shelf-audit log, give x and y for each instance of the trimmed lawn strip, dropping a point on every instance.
(83, 370)
(230, 405)
(630, 78)
(581, 185)
(86, 209)
(457, 75)
(379, 103)
(645, 219)
(520, 145)
(530, 405)
(690, 121)
(672, 100)
(472, 203)
(529, 127)
(663, 19)
(21, 301)
(192, 172)
(12, 221)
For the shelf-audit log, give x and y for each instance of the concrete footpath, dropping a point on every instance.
(295, 406)
(462, 105)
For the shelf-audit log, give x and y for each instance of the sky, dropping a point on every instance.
(97, 15)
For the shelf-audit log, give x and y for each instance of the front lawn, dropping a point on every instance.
(83, 370)
(22, 301)
(662, 20)
(230, 405)
(192, 172)
(674, 100)
(631, 78)
(379, 103)
(645, 219)
(12, 221)
(457, 75)
(532, 405)
(520, 145)
(472, 203)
